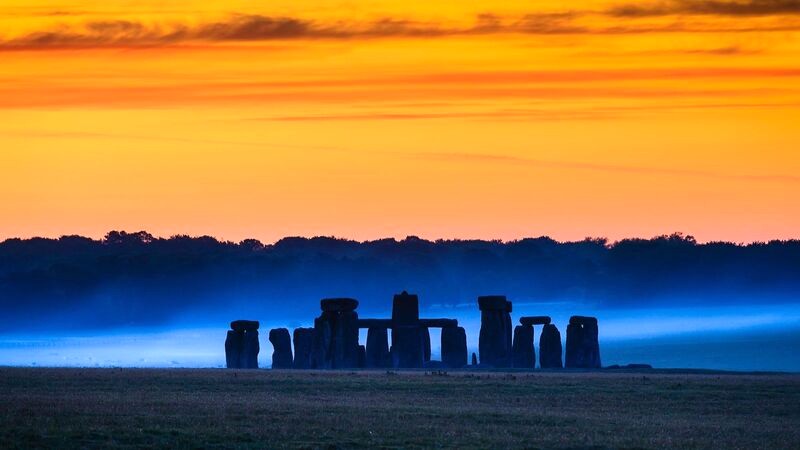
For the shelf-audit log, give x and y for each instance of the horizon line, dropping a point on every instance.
(409, 237)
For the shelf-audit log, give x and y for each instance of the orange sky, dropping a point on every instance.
(385, 118)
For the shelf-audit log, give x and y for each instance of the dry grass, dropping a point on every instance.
(60, 408)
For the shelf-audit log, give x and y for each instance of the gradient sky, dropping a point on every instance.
(386, 118)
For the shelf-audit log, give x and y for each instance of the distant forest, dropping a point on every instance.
(137, 279)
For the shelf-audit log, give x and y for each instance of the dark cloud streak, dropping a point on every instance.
(709, 7)
(255, 28)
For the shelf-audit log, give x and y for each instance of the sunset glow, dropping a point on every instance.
(390, 118)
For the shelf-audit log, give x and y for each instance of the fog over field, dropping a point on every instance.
(132, 299)
(760, 339)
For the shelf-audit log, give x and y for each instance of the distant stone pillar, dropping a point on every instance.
(282, 348)
(550, 348)
(524, 356)
(426, 343)
(250, 349)
(303, 344)
(362, 356)
(454, 347)
(474, 359)
(233, 349)
(241, 345)
(336, 335)
(407, 339)
(494, 344)
(583, 348)
(378, 348)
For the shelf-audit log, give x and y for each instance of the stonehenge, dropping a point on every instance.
(241, 345)
(404, 340)
(583, 348)
(282, 348)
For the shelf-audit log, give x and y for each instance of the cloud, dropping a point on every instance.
(255, 28)
(708, 7)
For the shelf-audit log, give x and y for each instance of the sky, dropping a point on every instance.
(387, 118)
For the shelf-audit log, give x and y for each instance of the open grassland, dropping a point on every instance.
(60, 408)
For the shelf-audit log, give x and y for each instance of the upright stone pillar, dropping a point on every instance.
(426, 343)
(233, 349)
(378, 348)
(583, 348)
(550, 348)
(362, 356)
(336, 335)
(407, 339)
(454, 347)
(241, 345)
(495, 342)
(281, 348)
(250, 349)
(524, 356)
(303, 344)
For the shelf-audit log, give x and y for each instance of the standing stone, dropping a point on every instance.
(550, 348)
(241, 345)
(250, 349)
(233, 349)
(408, 345)
(282, 348)
(426, 343)
(583, 348)
(474, 359)
(524, 354)
(377, 348)
(320, 351)
(336, 335)
(454, 347)
(303, 344)
(362, 356)
(494, 344)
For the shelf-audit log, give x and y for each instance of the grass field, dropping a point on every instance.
(61, 408)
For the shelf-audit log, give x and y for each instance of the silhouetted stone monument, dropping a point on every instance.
(524, 355)
(378, 348)
(494, 344)
(454, 347)
(333, 342)
(583, 348)
(303, 343)
(411, 339)
(241, 345)
(281, 348)
(407, 339)
(550, 348)
(336, 335)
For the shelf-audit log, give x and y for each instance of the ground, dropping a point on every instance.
(63, 408)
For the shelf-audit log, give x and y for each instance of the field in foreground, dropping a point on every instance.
(60, 408)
